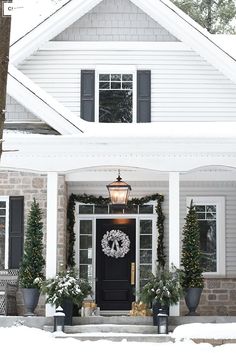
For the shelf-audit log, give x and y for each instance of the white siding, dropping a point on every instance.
(184, 86)
(115, 20)
(216, 188)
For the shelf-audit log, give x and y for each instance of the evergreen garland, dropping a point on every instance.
(33, 262)
(191, 254)
(101, 201)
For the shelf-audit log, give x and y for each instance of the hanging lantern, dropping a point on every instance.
(119, 191)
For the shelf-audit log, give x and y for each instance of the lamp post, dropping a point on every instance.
(162, 323)
(59, 320)
(119, 191)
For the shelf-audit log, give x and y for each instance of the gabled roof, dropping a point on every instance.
(163, 11)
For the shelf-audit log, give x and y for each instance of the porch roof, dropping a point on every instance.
(168, 147)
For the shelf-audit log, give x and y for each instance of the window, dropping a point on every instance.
(110, 209)
(210, 212)
(4, 210)
(115, 98)
(120, 94)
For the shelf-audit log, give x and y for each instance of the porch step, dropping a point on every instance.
(118, 337)
(109, 329)
(113, 320)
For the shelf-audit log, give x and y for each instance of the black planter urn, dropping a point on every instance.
(68, 307)
(31, 298)
(192, 298)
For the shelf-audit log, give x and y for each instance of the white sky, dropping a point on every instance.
(23, 339)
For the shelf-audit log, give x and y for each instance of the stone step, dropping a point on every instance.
(117, 337)
(113, 320)
(111, 328)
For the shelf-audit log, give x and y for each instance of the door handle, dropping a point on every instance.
(132, 274)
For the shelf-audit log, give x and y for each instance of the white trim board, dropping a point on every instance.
(40, 103)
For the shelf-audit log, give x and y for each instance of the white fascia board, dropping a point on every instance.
(36, 100)
(193, 35)
(49, 28)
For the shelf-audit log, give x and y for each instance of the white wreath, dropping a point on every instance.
(116, 249)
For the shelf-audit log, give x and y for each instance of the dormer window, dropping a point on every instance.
(115, 98)
(116, 95)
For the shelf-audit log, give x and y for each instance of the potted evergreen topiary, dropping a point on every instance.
(32, 264)
(162, 290)
(192, 279)
(66, 289)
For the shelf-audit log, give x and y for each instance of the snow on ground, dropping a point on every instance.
(27, 340)
(197, 330)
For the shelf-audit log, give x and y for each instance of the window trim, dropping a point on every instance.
(219, 201)
(121, 69)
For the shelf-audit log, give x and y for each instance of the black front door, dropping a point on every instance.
(115, 257)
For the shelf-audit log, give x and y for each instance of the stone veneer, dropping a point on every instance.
(30, 185)
(218, 298)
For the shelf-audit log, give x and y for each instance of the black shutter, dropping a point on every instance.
(87, 94)
(143, 96)
(16, 230)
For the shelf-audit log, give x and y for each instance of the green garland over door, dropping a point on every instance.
(101, 201)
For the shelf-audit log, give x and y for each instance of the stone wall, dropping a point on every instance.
(31, 186)
(218, 298)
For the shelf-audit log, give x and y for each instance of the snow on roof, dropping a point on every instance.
(28, 14)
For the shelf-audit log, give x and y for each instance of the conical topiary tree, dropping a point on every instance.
(191, 254)
(33, 262)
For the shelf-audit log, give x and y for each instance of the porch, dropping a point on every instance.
(149, 166)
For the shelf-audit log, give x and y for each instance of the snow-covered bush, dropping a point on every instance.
(65, 285)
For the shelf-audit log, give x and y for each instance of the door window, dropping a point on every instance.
(85, 249)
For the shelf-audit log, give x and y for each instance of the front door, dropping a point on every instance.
(115, 263)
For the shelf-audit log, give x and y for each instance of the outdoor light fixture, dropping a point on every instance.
(162, 323)
(59, 320)
(119, 191)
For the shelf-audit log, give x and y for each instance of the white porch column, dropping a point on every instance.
(174, 236)
(51, 247)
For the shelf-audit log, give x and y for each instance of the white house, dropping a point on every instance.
(134, 85)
